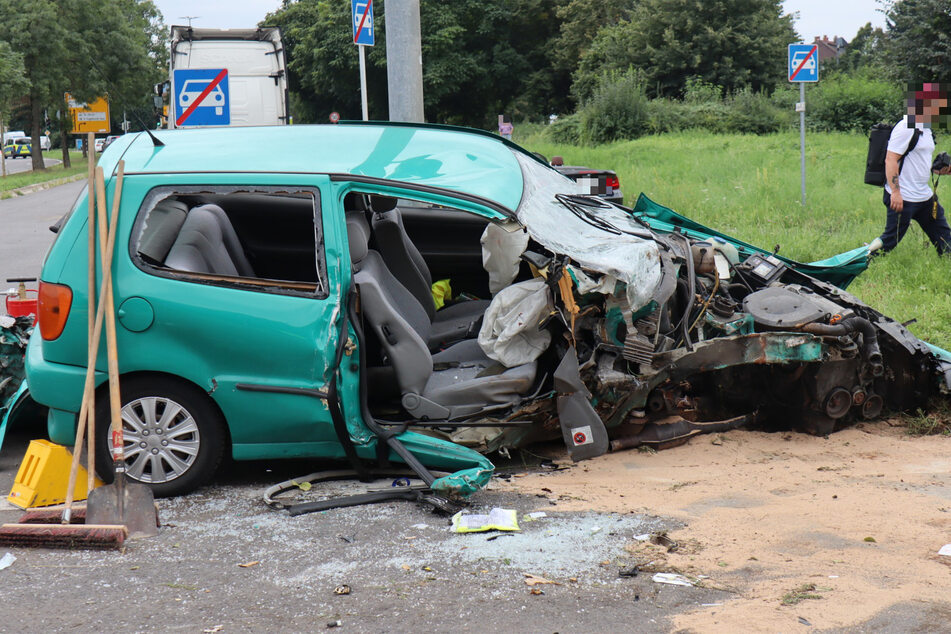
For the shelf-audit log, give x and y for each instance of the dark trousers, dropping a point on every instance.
(934, 225)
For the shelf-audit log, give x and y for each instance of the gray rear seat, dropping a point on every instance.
(207, 243)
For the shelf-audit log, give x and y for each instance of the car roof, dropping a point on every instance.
(471, 162)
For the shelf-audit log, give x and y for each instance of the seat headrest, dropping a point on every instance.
(355, 201)
(358, 236)
(379, 204)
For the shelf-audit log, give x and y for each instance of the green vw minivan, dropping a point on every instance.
(427, 295)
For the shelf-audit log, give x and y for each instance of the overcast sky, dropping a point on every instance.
(816, 17)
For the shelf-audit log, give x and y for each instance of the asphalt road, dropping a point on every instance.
(25, 164)
(25, 236)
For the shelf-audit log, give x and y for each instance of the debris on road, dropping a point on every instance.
(248, 564)
(496, 520)
(342, 589)
(7, 560)
(534, 580)
(672, 579)
(945, 550)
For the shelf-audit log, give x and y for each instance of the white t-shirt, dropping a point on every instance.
(916, 169)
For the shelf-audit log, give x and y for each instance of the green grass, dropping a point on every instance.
(802, 593)
(22, 179)
(748, 186)
(936, 419)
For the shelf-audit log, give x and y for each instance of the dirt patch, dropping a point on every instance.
(857, 517)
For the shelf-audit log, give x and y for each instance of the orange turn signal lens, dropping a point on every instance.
(55, 300)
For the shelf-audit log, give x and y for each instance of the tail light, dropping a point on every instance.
(55, 300)
(613, 182)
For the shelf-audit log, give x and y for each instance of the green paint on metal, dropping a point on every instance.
(839, 270)
(941, 353)
(456, 160)
(644, 311)
(790, 348)
(472, 470)
(614, 321)
(740, 325)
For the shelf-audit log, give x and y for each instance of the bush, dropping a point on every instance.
(844, 103)
(618, 110)
(566, 129)
(753, 113)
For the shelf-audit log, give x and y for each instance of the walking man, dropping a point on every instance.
(908, 194)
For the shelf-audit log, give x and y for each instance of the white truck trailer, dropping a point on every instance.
(252, 91)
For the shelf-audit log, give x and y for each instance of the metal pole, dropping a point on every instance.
(363, 82)
(404, 61)
(802, 139)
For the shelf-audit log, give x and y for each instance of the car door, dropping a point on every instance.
(260, 347)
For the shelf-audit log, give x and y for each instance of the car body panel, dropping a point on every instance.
(448, 160)
(839, 269)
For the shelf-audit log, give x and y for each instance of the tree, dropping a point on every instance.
(918, 46)
(580, 22)
(731, 43)
(12, 84)
(480, 58)
(867, 49)
(86, 47)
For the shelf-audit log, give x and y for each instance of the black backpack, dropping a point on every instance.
(877, 148)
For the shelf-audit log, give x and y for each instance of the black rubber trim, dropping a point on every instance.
(479, 200)
(278, 389)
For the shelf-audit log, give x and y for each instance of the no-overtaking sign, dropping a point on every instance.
(200, 97)
(803, 62)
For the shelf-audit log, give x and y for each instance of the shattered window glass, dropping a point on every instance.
(263, 238)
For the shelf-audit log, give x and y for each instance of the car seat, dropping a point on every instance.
(453, 384)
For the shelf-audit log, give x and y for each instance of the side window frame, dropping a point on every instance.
(317, 290)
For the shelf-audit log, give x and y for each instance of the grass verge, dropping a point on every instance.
(55, 172)
(748, 186)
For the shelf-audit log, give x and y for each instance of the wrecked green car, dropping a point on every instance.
(285, 306)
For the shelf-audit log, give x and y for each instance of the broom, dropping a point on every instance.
(67, 534)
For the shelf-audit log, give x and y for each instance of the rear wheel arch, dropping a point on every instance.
(177, 472)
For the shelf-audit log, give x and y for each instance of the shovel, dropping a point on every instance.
(121, 502)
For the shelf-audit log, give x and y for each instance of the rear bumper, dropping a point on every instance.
(55, 385)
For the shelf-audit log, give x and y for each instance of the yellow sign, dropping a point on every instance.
(92, 117)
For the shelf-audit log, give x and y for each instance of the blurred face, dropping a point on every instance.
(928, 104)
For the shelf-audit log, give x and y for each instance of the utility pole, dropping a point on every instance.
(404, 61)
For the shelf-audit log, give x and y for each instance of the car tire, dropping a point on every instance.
(174, 435)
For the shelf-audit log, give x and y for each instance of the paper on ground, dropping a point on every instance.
(496, 520)
(7, 560)
(672, 579)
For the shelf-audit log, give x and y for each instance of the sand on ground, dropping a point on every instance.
(770, 516)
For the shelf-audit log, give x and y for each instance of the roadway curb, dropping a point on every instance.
(31, 189)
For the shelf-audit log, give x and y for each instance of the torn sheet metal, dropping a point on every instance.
(631, 259)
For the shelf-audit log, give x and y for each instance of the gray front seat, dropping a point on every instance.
(453, 384)
(207, 243)
(403, 259)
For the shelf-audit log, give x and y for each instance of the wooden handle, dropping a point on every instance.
(107, 250)
(87, 408)
(90, 390)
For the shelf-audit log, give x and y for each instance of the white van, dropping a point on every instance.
(45, 144)
(13, 134)
(257, 77)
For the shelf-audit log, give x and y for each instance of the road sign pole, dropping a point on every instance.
(363, 82)
(802, 140)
